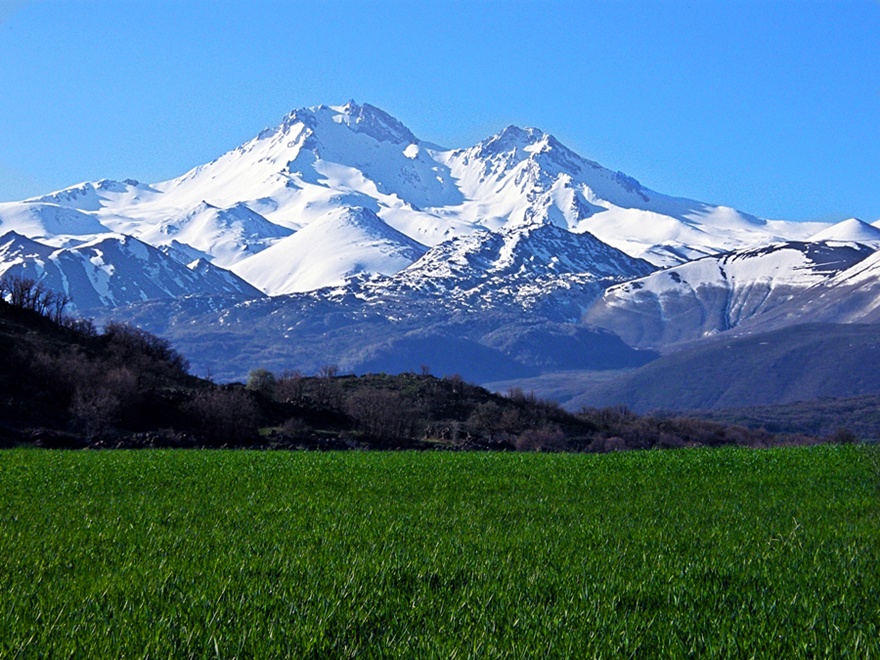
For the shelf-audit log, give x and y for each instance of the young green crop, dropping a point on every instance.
(726, 552)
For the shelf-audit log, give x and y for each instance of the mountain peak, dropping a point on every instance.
(376, 123)
(361, 118)
(531, 143)
(511, 138)
(852, 229)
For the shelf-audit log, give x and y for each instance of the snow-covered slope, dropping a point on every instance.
(849, 296)
(113, 270)
(226, 236)
(48, 222)
(715, 294)
(97, 195)
(852, 230)
(330, 250)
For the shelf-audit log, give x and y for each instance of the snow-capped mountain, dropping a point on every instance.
(715, 294)
(373, 243)
(526, 175)
(113, 270)
(852, 230)
(329, 160)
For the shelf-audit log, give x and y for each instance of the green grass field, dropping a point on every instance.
(725, 552)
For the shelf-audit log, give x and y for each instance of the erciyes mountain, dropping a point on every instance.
(339, 237)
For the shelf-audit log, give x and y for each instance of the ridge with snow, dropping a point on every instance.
(716, 294)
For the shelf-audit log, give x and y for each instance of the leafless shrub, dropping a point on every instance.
(290, 387)
(98, 404)
(485, 420)
(844, 436)
(295, 429)
(146, 353)
(27, 293)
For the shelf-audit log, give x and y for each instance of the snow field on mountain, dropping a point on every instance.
(48, 222)
(714, 294)
(329, 250)
(227, 236)
(851, 230)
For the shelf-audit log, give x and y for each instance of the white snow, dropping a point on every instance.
(329, 250)
(851, 230)
(277, 209)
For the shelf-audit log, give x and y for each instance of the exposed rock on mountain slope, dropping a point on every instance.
(716, 294)
(113, 270)
(490, 305)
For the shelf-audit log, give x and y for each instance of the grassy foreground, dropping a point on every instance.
(724, 552)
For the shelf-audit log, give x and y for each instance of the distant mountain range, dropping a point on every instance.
(340, 237)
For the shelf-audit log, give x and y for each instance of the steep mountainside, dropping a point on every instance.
(851, 296)
(717, 294)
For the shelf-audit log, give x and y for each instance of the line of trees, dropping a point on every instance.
(30, 294)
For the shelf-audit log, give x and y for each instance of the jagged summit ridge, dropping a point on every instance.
(360, 118)
(376, 123)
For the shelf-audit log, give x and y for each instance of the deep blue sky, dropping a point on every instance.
(771, 107)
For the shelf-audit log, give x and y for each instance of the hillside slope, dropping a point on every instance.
(798, 363)
(719, 293)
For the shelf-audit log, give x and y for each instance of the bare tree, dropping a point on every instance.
(382, 414)
(224, 416)
(28, 293)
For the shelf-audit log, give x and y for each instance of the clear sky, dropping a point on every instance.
(770, 107)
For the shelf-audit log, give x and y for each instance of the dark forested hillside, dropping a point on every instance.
(62, 384)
